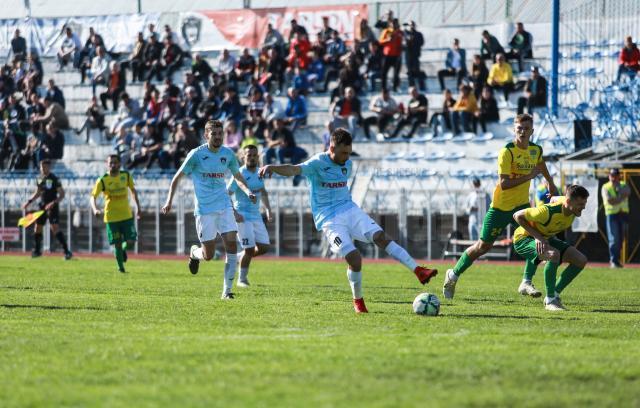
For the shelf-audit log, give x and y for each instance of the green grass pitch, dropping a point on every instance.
(79, 334)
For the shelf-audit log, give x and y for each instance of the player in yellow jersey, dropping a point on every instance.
(535, 240)
(121, 229)
(519, 162)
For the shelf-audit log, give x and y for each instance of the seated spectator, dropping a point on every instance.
(172, 57)
(374, 62)
(69, 49)
(296, 110)
(479, 75)
(232, 135)
(226, 68)
(136, 60)
(535, 93)
(190, 82)
(299, 81)
(182, 142)
(52, 145)
(55, 94)
(91, 45)
(189, 106)
(151, 150)
(254, 118)
(122, 145)
(282, 144)
(456, 65)
(28, 155)
(171, 89)
(208, 109)
(490, 47)
(153, 106)
(231, 108)
(414, 40)
(348, 77)
(254, 85)
(273, 39)
(326, 32)
(298, 53)
(18, 73)
(249, 138)
(272, 110)
(464, 110)
(94, 118)
(346, 111)
(443, 119)
(152, 59)
(501, 76)
(629, 59)
(35, 106)
(488, 111)
(201, 70)
(18, 46)
(129, 113)
(115, 87)
(246, 66)
(296, 29)
(335, 49)
(12, 137)
(385, 108)
(417, 112)
(54, 113)
(521, 46)
(99, 69)
(276, 66)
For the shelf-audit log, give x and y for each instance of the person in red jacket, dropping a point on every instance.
(299, 52)
(391, 42)
(629, 59)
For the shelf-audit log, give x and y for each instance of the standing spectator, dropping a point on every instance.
(364, 38)
(172, 56)
(69, 49)
(201, 70)
(477, 204)
(479, 75)
(443, 119)
(226, 67)
(385, 21)
(374, 62)
(326, 33)
(490, 47)
(463, 112)
(273, 39)
(18, 46)
(232, 135)
(414, 41)
(521, 46)
(99, 69)
(629, 59)
(246, 66)
(152, 58)
(347, 111)
(115, 87)
(391, 42)
(94, 118)
(54, 114)
(455, 64)
(385, 108)
(535, 92)
(296, 110)
(615, 197)
(416, 115)
(488, 111)
(501, 76)
(136, 59)
(35, 71)
(55, 94)
(296, 29)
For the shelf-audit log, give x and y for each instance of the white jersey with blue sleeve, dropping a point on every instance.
(208, 171)
(241, 202)
(330, 193)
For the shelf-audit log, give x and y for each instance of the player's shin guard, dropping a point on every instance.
(355, 281)
(463, 264)
(550, 270)
(230, 271)
(119, 256)
(530, 266)
(401, 255)
(567, 276)
(62, 241)
(37, 242)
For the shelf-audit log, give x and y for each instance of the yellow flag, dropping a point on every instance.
(30, 218)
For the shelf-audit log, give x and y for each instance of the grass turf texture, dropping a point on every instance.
(79, 334)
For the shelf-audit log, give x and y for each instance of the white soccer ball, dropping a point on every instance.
(426, 304)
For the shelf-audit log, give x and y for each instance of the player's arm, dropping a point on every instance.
(134, 193)
(242, 184)
(553, 190)
(94, 206)
(33, 198)
(57, 200)
(507, 182)
(287, 170)
(172, 190)
(264, 197)
(231, 189)
(521, 219)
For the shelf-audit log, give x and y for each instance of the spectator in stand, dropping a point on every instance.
(115, 87)
(249, 139)
(521, 46)
(335, 49)
(298, 53)
(208, 109)
(246, 66)
(99, 69)
(54, 113)
(231, 108)
(276, 67)
(18, 73)
(488, 111)
(273, 39)
(171, 89)
(296, 29)
(479, 75)
(349, 76)
(417, 112)
(501, 76)
(443, 119)
(52, 146)
(282, 144)
(201, 70)
(169, 113)
(55, 94)
(364, 38)
(414, 40)
(455, 65)
(385, 108)
(151, 150)
(151, 28)
(69, 49)
(490, 47)
(296, 110)
(152, 58)
(385, 21)
(346, 111)
(374, 61)
(18, 46)
(129, 113)
(232, 135)
(628, 60)
(136, 59)
(391, 42)
(91, 45)
(168, 33)
(94, 118)
(172, 57)
(35, 71)
(122, 145)
(189, 106)
(28, 155)
(464, 110)
(153, 106)
(254, 118)
(226, 68)
(272, 110)
(535, 92)
(13, 141)
(35, 106)
(299, 81)
(190, 82)
(326, 33)
(182, 142)
(315, 73)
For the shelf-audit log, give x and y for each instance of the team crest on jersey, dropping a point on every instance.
(48, 184)
(344, 171)
(533, 153)
(223, 160)
(122, 177)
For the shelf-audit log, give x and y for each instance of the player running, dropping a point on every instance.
(207, 166)
(519, 162)
(535, 240)
(51, 193)
(121, 228)
(339, 218)
(252, 232)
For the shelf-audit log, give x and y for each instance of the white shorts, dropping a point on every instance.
(252, 232)
(208, 226)
(348, 226)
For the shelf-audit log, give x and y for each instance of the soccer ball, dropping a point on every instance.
(426, 304)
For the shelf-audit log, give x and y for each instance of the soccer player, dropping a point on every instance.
(519, 162)
(207, 165)
(339, 218)
(535, 240)
(252, 232)
(121, 228)
(51, 193)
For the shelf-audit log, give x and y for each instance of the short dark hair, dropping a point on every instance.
(212, 124)
(341, 136)
(45, 161)
(250, 147)
(575, 191)
(113, 157)
(524, 117)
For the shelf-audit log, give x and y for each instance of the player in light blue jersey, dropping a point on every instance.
(207, 165)
(252, 232)
(339, 218)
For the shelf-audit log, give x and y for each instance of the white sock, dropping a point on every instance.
(355, 280)
(198, 253)
(452, 276)
(548, 299)
(526, 281)
(243, 273)
(230, 266)
(401, 255)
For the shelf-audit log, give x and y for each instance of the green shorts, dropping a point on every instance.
(496, 221)
(526, 247)
(121, 231)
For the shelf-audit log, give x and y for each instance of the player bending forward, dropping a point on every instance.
(535, 240)
(252, 232)
(339, 218)
(207, 165)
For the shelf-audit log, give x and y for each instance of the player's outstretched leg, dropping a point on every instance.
(200, 253)
(526, 287)
(466, 260)
(354, 275)
(552, 298)
(577, 261)
(230, 265)
(398, 253)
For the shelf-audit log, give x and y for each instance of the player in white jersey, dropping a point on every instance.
(339, 218)
(207, 165)
(252, 232)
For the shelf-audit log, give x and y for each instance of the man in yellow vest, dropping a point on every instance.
(615, 196)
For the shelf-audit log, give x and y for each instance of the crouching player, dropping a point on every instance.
(252, 232)
(535, 240)
(339, 218)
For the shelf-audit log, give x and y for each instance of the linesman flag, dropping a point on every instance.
(29, 219)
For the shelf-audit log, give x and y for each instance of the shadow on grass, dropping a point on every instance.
(17, 287)
(49, 307)
(492, 316)
(615, 311)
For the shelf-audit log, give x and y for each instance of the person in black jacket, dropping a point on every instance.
(488, 111)
(416, 115)
(347, 110)
(490, 46)
(521, 46)
(414, 41)
(535, 92)
(479, 74)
